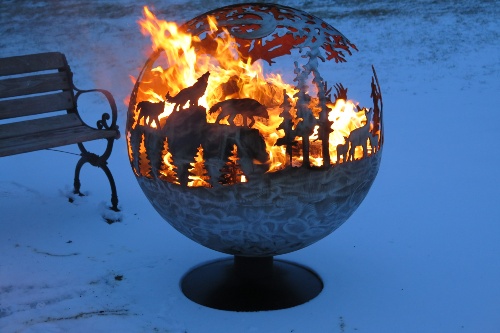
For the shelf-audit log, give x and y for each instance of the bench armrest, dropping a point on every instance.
(105, 116)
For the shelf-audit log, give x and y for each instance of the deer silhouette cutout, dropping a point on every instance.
(360, 135)
(374, 138)
(343, 150)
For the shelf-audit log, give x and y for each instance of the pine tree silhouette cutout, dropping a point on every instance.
(287, 126)
(305, 127)
(325, 125)
(134, 139)
(154, 147)
(198, 174)
(231, 172)
(167, 168)
(144, 166)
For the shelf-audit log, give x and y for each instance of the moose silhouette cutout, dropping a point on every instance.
(248, 108)
(190, 94)
(188, 130)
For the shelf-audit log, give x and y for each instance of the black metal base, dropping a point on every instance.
(251, 284)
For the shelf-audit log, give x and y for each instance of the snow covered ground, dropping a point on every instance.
(421, 254)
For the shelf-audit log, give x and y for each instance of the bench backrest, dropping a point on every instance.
(35, 84)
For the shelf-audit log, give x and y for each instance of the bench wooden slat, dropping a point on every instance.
(48, 124)
(32, 63)
(28, 106)
(51, 139)
(35, 84)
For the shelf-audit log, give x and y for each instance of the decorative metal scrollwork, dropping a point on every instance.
(103, 122)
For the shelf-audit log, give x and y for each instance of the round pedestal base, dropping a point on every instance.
(251, 284)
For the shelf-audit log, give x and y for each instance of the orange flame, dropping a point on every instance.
(231, 77)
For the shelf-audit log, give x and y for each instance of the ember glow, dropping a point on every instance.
(237, 79)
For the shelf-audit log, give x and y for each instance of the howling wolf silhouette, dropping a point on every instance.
(191, 94)
(247, 107)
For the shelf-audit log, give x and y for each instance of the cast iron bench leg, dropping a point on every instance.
(100, 162)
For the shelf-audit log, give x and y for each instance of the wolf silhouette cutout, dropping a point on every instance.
(248, 108)
(152, 110)
(190, 94)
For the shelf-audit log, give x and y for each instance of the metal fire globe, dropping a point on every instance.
(241, 162)
(241, 144)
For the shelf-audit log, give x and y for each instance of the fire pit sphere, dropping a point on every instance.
(236, 158)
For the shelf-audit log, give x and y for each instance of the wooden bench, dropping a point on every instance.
(38, 110)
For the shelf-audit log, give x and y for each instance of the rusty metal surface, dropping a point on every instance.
(267, 31)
